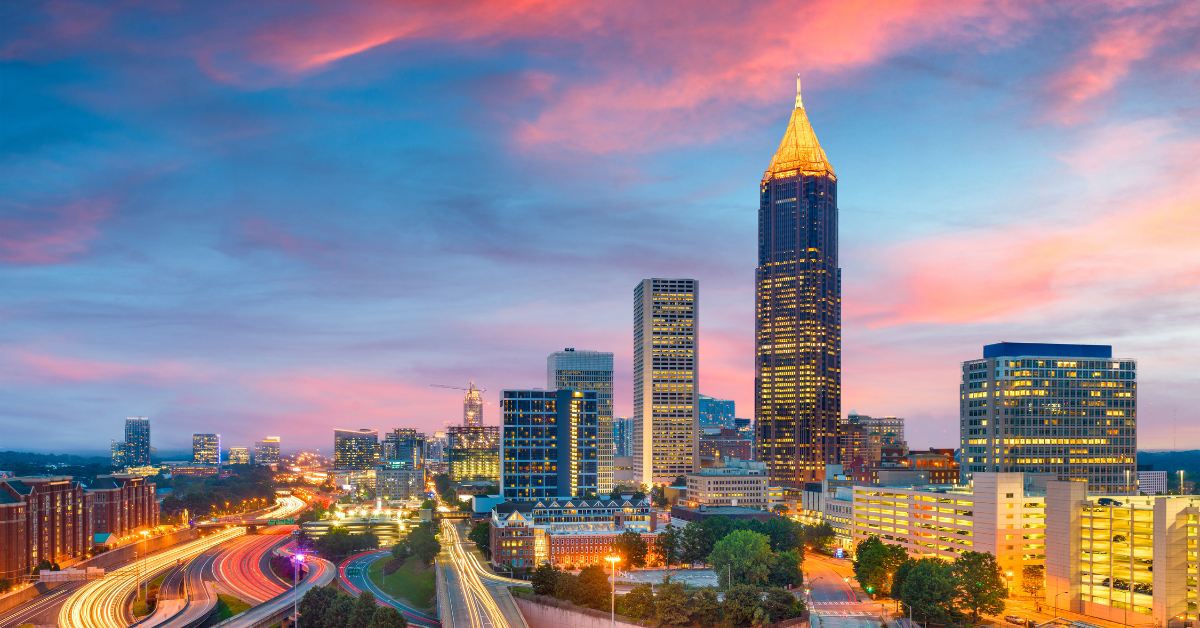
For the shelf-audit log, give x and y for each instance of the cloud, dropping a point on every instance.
(53, 235)
(45, 369)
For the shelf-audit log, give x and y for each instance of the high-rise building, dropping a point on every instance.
(206, 449)
(266, 451)
(406, 447)
(472, 453)
(1066, 410)
(589, 370)
(797, 337)
(473, 406)
(716, 412)
(355, 450)
(666, 321)
(862, 436)
(239, 455)
(120, 456)
(622, 437)
(137, 441)
(550, 444)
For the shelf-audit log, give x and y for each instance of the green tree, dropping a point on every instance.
(717, 527)
(337, 614)
(695, 543)
(978, 584)
(874, 561)
(706, 607)
(820, 535)
(779, 604)
(1033, 578)
(787, 569)
(364, 609)
(639, 603)
(5, 585)
(667, 547)
(481, 533)
(593, 587)
(315, 602)
(897, 584)
(741, 601)
(428, 505)
(631, 548)
(784, 533)
(745, 555)
(929, 590)
(672, 603)
(545, 579)
(566, 587)
(387, 617)
(422, 542)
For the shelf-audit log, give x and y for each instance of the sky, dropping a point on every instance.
(285, 217)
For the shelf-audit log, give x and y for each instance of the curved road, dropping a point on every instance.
(354, 574)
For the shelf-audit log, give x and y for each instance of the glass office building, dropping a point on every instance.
(355, 450)
(472, 453)
(137, 441)
(716, 412)
(589, 370)
(206, 449)
(550, 444)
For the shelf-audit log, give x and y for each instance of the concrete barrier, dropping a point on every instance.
(126, 553)
(542, 612)
(13, 599)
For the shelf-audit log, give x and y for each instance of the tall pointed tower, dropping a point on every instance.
(798, 320)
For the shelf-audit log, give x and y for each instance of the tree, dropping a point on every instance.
(337, 614)
(5, 585)
(898, 577)
(820, 535)
(481, 533)
(668, 545)
(671, 605)
(639, 603)
(1033, 578)
(566, 587)
(339, 542)
(706, 607)
(545, 577)
(779, 605)
(781, 509)
(744, 555)
(428, 505)
(784, 533)
(680, 480)
(315, 602)
(387, 617)
(695, 543)
(593, 587)
(978, 583)
(874, 561)
(717, 527)
(741, 601)
(632, 548)
(786, 571)
(659, 497)
(364, 608)
(422, 543)
(929, 590)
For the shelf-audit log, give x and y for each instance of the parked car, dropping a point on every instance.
(1015, 619)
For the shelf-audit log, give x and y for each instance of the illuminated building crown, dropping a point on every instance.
(799, 152)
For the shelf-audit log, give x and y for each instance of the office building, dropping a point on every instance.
(550, 444)
(266, 451)
(666, 324)
(405, 446)
(571, 532)
(473, 406)
(239, 455)
(137, 441)
(472, 453)
(721, 443)
(122, 504)
(435, 453)
(622, 437)
(862, 436)
(589, 370)
(1131, 560)
(355, 450)
(736, 483)
(716, 412)
(206, 449)
(798, 343)
(1152, 482)
(119, 455)
(42, 518)
(397, 481)
(1066, 410)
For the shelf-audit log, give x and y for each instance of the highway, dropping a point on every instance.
(478, 605)
(320, 573)
(102, 603)
(355, 577)
(244, 567)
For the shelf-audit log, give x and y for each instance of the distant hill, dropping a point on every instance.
(1172, 461)
(12, 458)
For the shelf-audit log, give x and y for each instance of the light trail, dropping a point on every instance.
(101, 604)
(478, 597)
(239, 569)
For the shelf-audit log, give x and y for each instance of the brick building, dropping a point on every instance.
(565, 532)
(14, 551)
(720, 444)
(57, 516)
(123, 504)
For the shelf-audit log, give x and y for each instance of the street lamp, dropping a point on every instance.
(1056, 602)
(299, 560)
(613, 560)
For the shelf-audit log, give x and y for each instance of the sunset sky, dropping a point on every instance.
(282, 217)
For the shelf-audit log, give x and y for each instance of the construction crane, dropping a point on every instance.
(472, 388)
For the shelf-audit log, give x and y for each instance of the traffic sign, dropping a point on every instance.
(281, 522)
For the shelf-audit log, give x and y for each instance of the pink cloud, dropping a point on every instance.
(52, 236)
(43, 368)
(262, 232)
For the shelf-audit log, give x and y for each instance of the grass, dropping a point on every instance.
(414, 582)
(140, 608)
(229, 606)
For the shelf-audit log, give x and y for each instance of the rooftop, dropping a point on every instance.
(1041, 349)
(799, 151)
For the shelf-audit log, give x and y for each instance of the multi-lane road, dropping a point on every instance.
(471, 601)
(355, 576)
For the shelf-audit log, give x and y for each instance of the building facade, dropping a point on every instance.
(405, 446)
(1131, 560)
(119, 455)
(266, 451)
(716, 412)
(550, 446)
(473, 406)
(137, 441)
(239, 455)
(355, 450)
(798, 344)
(666, 325)
(397, 481)
(123, 504)
(473, 453)
(565, 532)
(1152, 482)
(737, 483)
(57, 522)
(589, 370)
(622, 437)
(1067, 410)
(206, 449)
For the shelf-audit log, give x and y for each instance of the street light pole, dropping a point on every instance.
(613, 560)
(1056, 602)
(298, 562)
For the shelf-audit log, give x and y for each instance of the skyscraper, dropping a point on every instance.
(239, 455)
(473, 406)
(406, 447)
(472, 453)
(266, 451)
(589, 370)
(137, 441)
(666, 317)
(550, 443)
(1066, 410)
(622, 437)
(716, 412)
(355, 450)
(797, 336)
(206, 449)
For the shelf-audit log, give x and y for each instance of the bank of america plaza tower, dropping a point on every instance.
(797, 341)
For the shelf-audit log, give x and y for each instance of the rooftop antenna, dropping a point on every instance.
(799, 103)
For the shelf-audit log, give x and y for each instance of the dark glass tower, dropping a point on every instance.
(798, 340)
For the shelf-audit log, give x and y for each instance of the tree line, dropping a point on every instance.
(327, 607)
(932, 589)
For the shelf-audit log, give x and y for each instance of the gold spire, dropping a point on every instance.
(799, 152)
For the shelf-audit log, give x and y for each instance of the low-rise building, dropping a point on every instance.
(123, 504)
(396, 482)
(738, 483)
(702, 512)
(196, 470)
(573, 532)
(1152, 482)
(44, 518)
